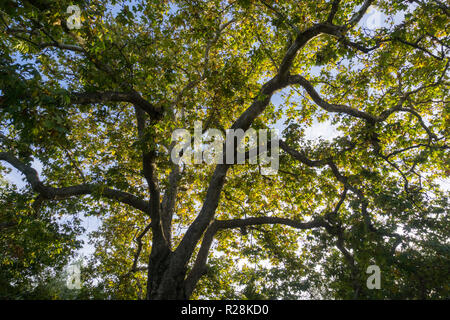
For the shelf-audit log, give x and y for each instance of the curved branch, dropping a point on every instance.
(330, 107)
(198, 269)
(113, 96)
(360, 14)
(301, 156)
(50, 193)
(138, 240)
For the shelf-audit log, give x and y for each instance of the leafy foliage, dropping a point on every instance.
(96, 108)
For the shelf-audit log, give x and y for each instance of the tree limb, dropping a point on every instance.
(51, 193)
(198, 269)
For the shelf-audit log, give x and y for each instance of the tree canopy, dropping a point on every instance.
(94, 102)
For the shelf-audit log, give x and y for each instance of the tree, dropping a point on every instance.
(97, 106)
(35, 247)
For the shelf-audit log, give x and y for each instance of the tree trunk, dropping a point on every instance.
(163, 283)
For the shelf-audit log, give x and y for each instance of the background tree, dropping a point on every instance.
(96, 107)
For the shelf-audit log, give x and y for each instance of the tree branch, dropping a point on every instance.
(113, 96)
(330, 107)
(50, 193)
(198, 269)
(360, 14)
(334, 10)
